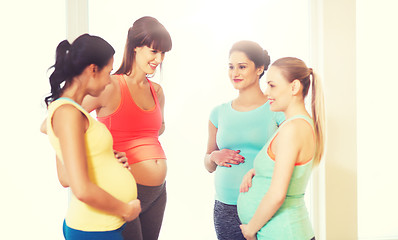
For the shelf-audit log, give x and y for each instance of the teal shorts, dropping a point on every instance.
(73, 234)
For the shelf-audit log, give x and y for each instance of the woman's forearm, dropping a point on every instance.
(268, 206)
(96, 197)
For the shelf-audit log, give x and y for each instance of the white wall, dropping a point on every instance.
(30, 194)
(377, 86)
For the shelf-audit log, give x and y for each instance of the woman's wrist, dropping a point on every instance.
(250, 229)
(212, 159)
(125, 211)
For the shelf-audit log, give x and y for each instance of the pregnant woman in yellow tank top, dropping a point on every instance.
(103, 191)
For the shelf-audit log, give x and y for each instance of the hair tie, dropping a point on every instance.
(67, 64)
(67, 47)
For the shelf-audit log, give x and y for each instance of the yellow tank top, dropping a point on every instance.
(104, 170)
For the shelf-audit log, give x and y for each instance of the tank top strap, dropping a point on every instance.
(155, 96)
(306, 118)
(64, 100)
(124, 89)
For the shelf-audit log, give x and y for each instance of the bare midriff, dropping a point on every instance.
(150, 172)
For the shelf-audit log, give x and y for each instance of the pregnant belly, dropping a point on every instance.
(117, 181)
(249, 201)
(150, 172)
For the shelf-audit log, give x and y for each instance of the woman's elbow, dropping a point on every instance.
(210, 166)
(161, 130)
(43, 129)
(81, 194)
(64, 184)
(279, 199)
(209, 169)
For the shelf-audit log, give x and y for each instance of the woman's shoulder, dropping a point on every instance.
(109, 96)
(296, 128)
(222, 106)
(218, 110)
(110, 90)
(156, 86)
(67, 110)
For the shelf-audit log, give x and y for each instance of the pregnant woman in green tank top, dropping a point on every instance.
(271, 203)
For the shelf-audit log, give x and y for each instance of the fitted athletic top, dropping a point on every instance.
(244, 131)
(291, 221)
(104, 170)
(135, 131)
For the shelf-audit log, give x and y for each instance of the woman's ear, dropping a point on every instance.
(296, 86)
(137, 49)
(260, 70)
(91, 70)
(94, 68)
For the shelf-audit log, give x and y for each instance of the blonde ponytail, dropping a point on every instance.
(318, 116)
(294, 68)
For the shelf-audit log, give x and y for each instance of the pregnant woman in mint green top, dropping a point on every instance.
(271, 204)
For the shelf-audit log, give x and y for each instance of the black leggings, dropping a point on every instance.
(147, 225)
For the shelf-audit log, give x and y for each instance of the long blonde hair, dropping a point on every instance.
(294, 68)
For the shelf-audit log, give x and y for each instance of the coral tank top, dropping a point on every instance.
(135, 131)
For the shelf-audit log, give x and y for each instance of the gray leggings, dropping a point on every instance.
(226, 222)
(147, 225)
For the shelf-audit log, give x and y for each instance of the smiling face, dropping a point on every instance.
(279, 90)
(242, 71)
(147, 59)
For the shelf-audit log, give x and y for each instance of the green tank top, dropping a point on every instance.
(291, 221)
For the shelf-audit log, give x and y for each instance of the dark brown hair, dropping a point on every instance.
(72, 59)
(254, 52)
(146, 31)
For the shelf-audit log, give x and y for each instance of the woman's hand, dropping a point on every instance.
(247, 233)
(226, 157)
(121, 157)
(247, 181)
(134, 209)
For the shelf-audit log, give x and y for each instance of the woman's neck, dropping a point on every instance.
(249, 99)
(137, 75)
(137, 78)
(296, 108)
(75, 91)
(251, 96)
